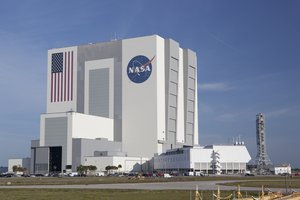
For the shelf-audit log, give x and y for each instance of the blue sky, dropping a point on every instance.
(248, 62)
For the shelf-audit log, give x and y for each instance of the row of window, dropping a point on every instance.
(173, 159)
(178, 151)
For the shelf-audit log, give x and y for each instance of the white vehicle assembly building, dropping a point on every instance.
(124, 102)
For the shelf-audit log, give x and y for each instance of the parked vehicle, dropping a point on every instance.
(249, 174)
(297, 174)
(100, 174)
(72, 174)
(166, 175)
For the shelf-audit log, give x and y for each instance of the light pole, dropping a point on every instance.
(286, 184)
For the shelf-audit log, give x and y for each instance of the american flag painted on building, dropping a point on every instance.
(62, 76)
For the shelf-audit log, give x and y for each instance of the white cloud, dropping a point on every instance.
(222, 41)
(278, 113)
(228, 117)
(205, 108)
(214, 87)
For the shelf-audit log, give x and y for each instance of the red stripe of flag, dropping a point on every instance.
(57, 87)
(54, 87)
(68, 86)
(51, 86)
(65, 69)
(72, 76)
(62, 86)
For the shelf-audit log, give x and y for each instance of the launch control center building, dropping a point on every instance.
(117, 103)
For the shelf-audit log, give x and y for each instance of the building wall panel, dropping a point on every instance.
(145, 100)
(99, 92)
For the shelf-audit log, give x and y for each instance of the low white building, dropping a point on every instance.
(208, 159)
(283, 169)
(127, 164)
(20, 162)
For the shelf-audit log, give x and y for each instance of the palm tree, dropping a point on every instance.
(119, 166)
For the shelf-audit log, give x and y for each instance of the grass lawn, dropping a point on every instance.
(71, 194)
(65, 194)
(111, 180)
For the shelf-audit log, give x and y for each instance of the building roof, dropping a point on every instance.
(227, 153)
(284, 165)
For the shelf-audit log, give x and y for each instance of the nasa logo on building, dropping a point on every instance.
(139, 68)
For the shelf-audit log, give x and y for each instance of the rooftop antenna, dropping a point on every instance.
(115, 37)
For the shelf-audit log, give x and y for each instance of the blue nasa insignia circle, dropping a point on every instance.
(139, 69)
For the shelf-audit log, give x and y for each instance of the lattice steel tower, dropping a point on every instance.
(262, 158)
